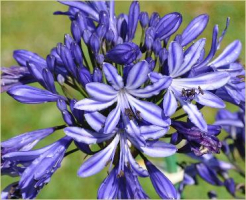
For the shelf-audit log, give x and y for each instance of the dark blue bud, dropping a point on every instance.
(100, 58)
(148, 42)
(68, 61)
(109, 36)
(49, 80)
(154, 19)
(133, 19)
(123, 30)
(163, 54)
(151, 63)
(78, 114)
(84, 76)
(144, 19)
(124, 53)
(101, 31)
(77, 54)
(76, 31)
(97, 75)
(68, 118)
(168, 25)
(104, 18)
(212, 195)
(51, 61)
(156, 46)
(68, 40)
(61, 104)
(175, 138)
(60, 79)
(86, 36)
(94, 43)
(230, 186)
(81, 22)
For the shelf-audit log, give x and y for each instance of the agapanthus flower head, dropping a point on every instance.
(120, 94)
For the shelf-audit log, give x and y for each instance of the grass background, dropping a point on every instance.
(31, 26)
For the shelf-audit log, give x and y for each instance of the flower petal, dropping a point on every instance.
(208, 81)
(163, 186)
(169, 103)
(109, 187)
(194, 29)
(135, 166)
(93, 105)
(152, 90)
(137, 75)
(100, 91)
(194, 115)
(190, 58)
(98, 161)
(95, 119)
(158, 149)
(229, 55)
(112, 76)
(175, 57)
(133, 19)
(153, 132)
(112, 120)
(210, 99)
(149, 112)
(83, 7)
(31, 95)
(208, 174)
(86, 136)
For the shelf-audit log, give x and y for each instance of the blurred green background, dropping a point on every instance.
(31, 26)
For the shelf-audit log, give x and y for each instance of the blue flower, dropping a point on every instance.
(40, 165)
(103, 96)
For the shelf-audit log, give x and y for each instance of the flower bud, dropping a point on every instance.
(144, 19)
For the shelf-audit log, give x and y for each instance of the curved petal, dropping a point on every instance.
(98, 161)
(95, 119)
(210, 99)
(83, 7)
(86, 136)
(149, 112)
(135, 166)
(112, 120)
(109, 187)
(163, 186)
(190, 59)
(112, 76)
(93, 105)
(152, 90)
(158, 149)
(169, 103)
(100, 91)
(153, 132)
(154, 76)
(208, 175)
(31, 95)
(229, 55)
(194, 115)
(208, 81)
(175, 57)
(137, 75)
